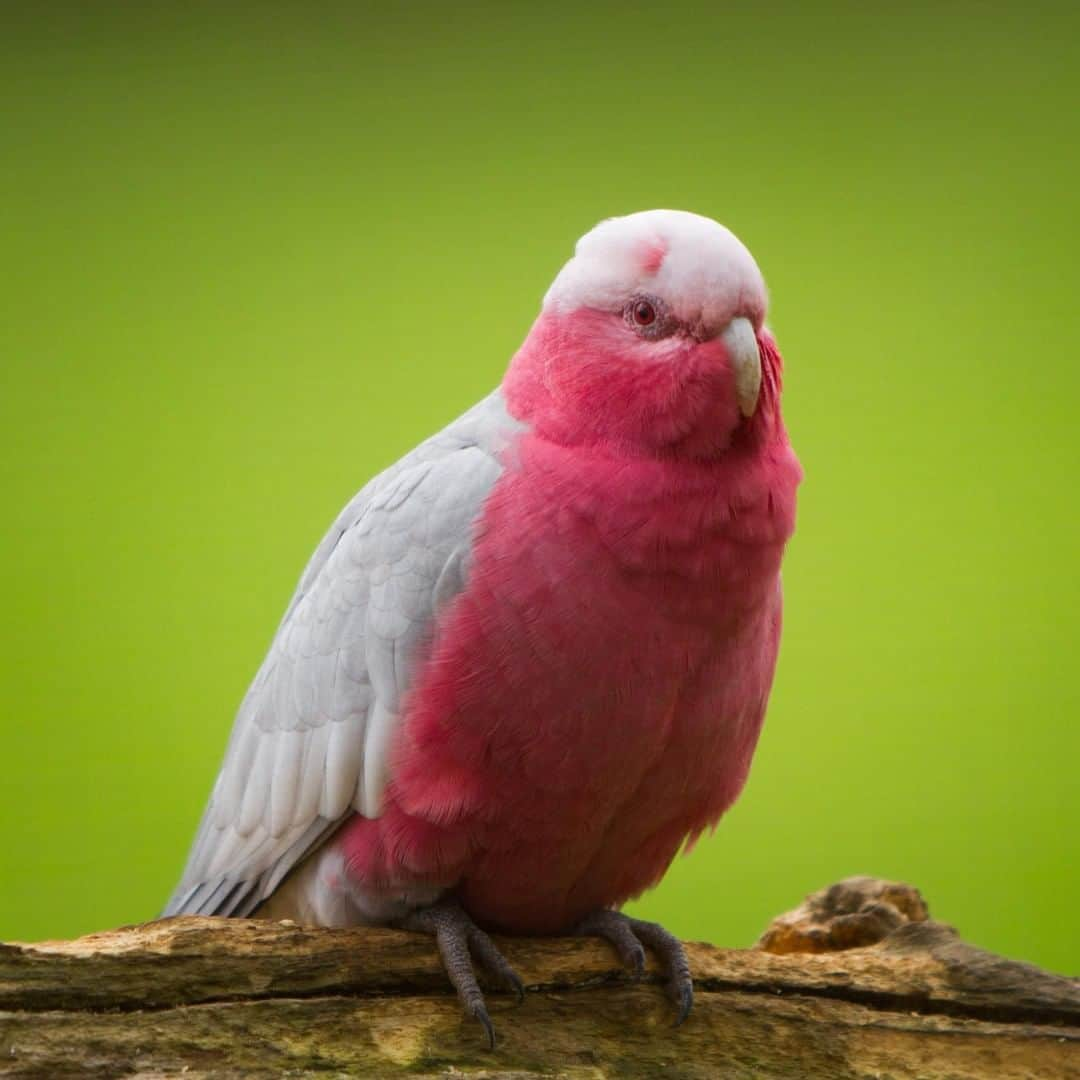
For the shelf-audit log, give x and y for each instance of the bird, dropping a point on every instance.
(530, 661)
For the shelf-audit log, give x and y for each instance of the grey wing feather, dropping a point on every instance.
(311, 738)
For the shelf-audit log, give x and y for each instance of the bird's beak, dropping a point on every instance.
(742, 348)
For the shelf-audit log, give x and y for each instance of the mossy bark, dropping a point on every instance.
(885, 992)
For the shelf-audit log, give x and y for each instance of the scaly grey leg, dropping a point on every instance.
(460, 940)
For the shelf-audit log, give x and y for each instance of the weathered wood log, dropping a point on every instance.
(858, 982)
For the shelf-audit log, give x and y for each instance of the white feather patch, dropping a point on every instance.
(344, 762)
(705, 273)
(284, 785)
(311, 777)
(380, 732)
(257, 784)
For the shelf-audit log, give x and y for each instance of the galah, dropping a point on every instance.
(530, 661)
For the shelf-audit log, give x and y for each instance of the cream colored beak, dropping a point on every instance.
(741, 343)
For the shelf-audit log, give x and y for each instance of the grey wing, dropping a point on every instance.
(311, 739)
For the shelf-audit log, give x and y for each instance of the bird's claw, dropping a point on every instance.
(460, 940)
(478, 1011)
(629, 936)
(684, 1000)
(517, 986)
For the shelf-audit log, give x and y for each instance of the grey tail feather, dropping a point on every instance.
(229, 895)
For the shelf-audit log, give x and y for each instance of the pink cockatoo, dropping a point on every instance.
(530, 661)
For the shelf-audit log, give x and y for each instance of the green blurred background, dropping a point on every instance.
(252, 253)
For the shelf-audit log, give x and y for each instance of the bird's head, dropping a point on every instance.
(652, 337)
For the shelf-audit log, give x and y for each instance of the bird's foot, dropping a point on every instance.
(629, 936)
(460, 942)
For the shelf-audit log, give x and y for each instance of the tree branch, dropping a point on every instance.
(857, 982)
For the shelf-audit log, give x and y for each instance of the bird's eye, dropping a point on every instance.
(648, 317)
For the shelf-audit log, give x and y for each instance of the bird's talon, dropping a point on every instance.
(478, 1011)
(684, 998)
